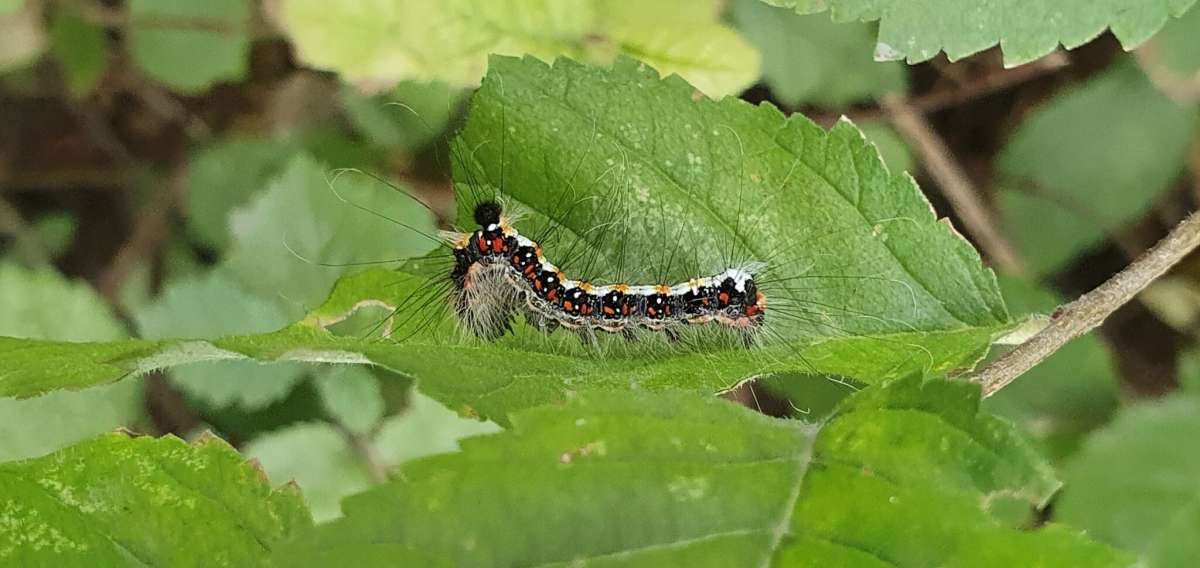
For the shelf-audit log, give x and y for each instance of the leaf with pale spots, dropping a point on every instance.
(117, 500)
(630, 479)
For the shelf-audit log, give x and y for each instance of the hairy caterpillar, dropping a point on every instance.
(498, 271)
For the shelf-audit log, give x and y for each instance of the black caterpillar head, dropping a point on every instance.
(487, 213)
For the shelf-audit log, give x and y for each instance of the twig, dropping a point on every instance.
(1183, 88)
(954, 183)
(1091, 309)
(149, 231)
(366, 452)
(939, 99)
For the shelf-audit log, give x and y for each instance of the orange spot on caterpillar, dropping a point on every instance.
(552, 294)
(608, 310)
(723, 297)
(567, 305)
(662, 288)
(622, 288)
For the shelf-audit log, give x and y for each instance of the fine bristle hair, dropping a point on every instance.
(487, 213)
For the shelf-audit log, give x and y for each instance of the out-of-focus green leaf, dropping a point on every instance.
(892, 148)
(210, 306)
(425, 428)
(811, 60)
(55, 232)
(1084, 165)
(318, 458)
(654, 480)
(22, 38)
(1134, 483)
(407, 116)
(190, 45)
(326, 218)
(41, 304)
(121, 501)
(351, 396)
(919, 29)
(225, 176)
(1063, 398)
(321, 460)
(81, 48)
(376, 43)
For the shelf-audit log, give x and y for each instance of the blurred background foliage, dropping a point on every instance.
(159, 158)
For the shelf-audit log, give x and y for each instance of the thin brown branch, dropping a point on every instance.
(149, 232)
(958, 189)
(1091, 309)
(1183, 88)
(367, 454)
(939, 99)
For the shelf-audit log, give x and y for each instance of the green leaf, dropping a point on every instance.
(351, 396)
(637, 479)
(881, 287)
(1063, 398)
(809, 59)
(1134, 483)
(892, 148)
(214, 306)
(81, 48)
(119, 501)
(1025, 30)
(317, 458)
(320, 459)
(1069, 178)
(40, 303)
(425, 111)
(425, 428)
(225, 176)
(274, 257)
(377, 43)
(188, 45)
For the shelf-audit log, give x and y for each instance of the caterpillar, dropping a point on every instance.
(497, 271)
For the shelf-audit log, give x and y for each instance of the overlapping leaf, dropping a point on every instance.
(1025, 30)
(624, 479)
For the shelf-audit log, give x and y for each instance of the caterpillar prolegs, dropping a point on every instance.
(498, 272)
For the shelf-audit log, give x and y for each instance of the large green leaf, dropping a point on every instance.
(870, 284)
(378, 42)
(907, 474)
(1068, 177)
(1025, 30)
(1134, 483)
(120, 501)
